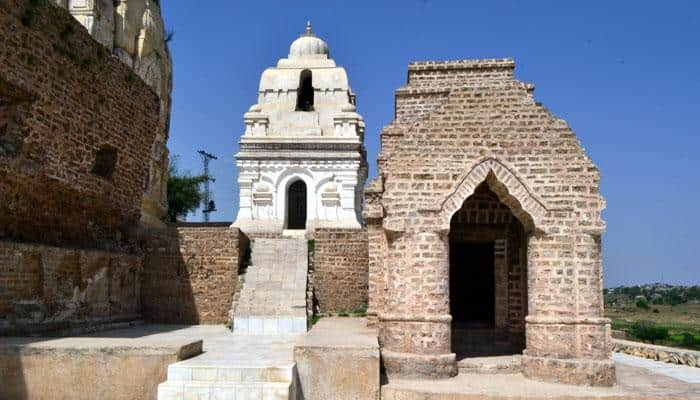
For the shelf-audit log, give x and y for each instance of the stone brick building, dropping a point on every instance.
(484, 228)
(77, 128)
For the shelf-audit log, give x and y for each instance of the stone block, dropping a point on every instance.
(338, 359)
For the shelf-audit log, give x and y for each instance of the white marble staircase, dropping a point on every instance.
(273, 297)
(207, 382)
(235, 367)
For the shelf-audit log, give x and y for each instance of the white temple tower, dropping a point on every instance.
(302, 161)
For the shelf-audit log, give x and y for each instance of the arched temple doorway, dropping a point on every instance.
(296, 205)
(488, 283)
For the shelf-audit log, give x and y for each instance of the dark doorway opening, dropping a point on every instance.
(296, 206)
(472, 285)
(488, 289)
(305, 92)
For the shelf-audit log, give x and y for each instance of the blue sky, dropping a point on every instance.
(624, 74)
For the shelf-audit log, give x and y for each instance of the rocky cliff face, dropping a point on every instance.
(134, 31)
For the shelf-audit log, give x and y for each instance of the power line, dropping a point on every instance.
(207, 202)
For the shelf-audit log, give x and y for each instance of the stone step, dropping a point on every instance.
(511, 364)
(295, 233)
(269, 325)
(273, 297)
(185, 390)
(180, 372)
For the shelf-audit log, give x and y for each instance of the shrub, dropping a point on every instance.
(359, 312)
(688, 339)
(647, 330)
(642, 303)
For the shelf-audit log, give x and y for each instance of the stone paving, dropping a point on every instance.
(273, 297)
(632, 384)
(680, 372)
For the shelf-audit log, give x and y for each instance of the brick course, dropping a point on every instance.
(191, 273)
(340, 269)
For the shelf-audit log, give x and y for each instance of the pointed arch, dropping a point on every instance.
(511, 190)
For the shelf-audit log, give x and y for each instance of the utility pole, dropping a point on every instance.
(209, 205)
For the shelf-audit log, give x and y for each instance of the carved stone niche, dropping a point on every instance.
(348, 123)
(330, 196)
(256, 122)
(262, 200)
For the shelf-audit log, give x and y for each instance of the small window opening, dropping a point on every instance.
(305, 93)
(105, 162)
(13, 107)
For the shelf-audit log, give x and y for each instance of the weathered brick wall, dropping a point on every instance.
(340, 269)
(440, 74)
(191, 272)
(413, 105)
(44, 288)
(63, 97)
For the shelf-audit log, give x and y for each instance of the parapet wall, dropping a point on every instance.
(191, 272)
(77, 128)
(340, 269)
(44, 288)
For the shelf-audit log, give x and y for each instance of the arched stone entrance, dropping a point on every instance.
(296, 205)
(488, 286)
(485, 128)
(566, 339)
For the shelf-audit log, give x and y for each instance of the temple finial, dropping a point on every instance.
(308, 26)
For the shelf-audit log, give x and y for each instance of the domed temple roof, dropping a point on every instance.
(308, 45)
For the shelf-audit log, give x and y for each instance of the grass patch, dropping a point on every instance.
(315, 319)
(681, 323)
(359, 312)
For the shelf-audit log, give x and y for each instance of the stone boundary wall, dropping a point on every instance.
(191, 273)
(45, 289)
(340, 269)
(665, 354)
(77, 127)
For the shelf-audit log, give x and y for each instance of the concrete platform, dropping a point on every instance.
(117, 364)
(338, 359)
(679, 372)
(633, 383)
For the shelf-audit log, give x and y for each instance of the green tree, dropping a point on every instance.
(184, 191)
(675, 297)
